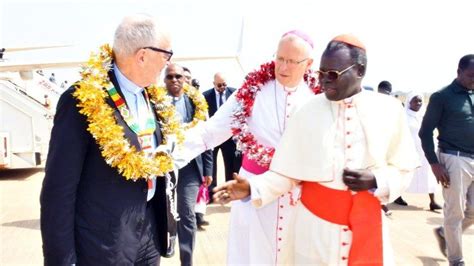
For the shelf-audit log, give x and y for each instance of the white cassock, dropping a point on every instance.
(255, 235)
(366, 131)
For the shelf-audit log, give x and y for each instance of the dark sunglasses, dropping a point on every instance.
(332, 75)
(171, 77)
(169, 54)
(220, 85)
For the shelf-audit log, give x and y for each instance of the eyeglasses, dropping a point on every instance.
(220, 85)
(171, 77)
(169, 54)
(332, 75)
(290, 62)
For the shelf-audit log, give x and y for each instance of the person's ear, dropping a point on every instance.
(309, 63)
(140, 56)
(361, 71)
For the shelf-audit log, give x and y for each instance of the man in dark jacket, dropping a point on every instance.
(94, 209)
(191, 175)
(215, 98)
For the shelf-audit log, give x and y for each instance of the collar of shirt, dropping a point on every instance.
(125, 83)
(132, 96)
(289, 89)
(217, 92)
(218, 97)
(176, 98)
(350, 100)
(458, 88)
(336, 105)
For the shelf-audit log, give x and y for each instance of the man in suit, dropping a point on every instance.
(191, 175)
(215, 98)
(90, 213)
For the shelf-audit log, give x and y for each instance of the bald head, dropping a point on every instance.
(220, 82)
(174, 79)
(174, 68)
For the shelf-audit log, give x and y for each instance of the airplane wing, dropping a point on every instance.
(21, 67)
(19, 49)
(7, 66)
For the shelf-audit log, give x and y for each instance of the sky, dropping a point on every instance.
(414, 44)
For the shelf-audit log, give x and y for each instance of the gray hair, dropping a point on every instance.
(290, 37)
(135, 32)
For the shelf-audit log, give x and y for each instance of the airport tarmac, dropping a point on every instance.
(411, 227)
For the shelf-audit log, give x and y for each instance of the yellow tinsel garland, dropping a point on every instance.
(115, 148)
(200, 111)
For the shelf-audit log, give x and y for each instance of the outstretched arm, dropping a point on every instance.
(263, 188)
(236, 189)
(211, 133)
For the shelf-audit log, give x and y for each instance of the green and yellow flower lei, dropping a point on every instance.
(115, 148)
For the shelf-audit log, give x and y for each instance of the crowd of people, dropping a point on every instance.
(132, 165)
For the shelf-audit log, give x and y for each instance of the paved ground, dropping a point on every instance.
(20, 240)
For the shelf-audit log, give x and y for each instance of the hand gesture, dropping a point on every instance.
(238, 188)
(441, 174)
(359, 180)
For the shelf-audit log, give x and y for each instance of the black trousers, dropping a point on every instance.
(148, 253)
(189, 181)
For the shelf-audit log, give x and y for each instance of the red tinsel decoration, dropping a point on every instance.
(245, 96)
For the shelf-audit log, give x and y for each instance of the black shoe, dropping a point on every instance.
(203, 222)
(434, 206)
(200, 228)
(386, 210)
(170, 250)
(401, 202)
(200, 219)
(439, 234)
(460, 263)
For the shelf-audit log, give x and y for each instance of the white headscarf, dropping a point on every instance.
(408, 99)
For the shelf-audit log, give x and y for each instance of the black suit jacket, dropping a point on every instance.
(211, 97)
(204, 160)
(91, 215)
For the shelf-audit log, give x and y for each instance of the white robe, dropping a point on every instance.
(320, 140)
(423, 180)
(256, 235)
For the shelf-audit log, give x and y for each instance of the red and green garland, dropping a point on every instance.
(245, 97)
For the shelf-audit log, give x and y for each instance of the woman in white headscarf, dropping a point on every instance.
(423, 180)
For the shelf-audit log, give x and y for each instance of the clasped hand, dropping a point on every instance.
(359, 180)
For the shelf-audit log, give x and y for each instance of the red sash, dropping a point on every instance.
(361, 212)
